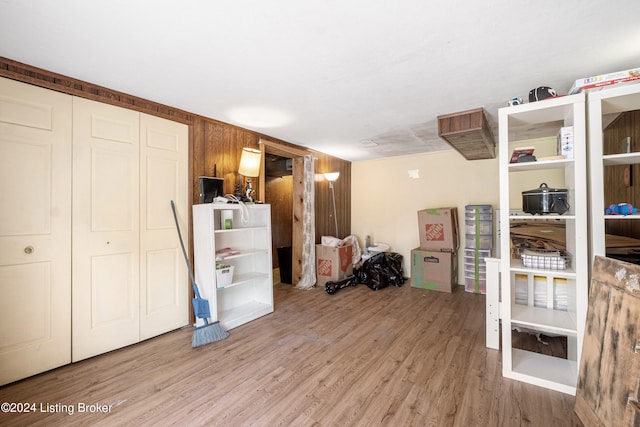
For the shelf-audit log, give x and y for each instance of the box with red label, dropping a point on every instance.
(597, 82)
(333, 263)
(438, 229)
(434, 270)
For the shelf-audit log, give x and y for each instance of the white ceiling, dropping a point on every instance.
(357, 79)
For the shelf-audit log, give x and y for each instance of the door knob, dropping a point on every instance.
(28, 249)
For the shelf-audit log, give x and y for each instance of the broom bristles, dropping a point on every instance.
(207, 334)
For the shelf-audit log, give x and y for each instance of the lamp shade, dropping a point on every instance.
(250, 162)
(331, 176)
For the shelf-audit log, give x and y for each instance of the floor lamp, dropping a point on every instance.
(332, 177)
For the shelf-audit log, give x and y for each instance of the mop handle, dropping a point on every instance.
(184, 252)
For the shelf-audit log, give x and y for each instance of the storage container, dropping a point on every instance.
(482, 210)
(224, 276)
(434, 270)
(438, 229)
(471, 268)
(475, 284)
(470, 256)
(478, 242)
(471, 226)
(546, 259)
(475, 270)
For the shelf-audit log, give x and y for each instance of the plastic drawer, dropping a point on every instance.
(478, 227)
(484, 242)
(475, 284)
(481, 209)
(471, 254)
(471, 268)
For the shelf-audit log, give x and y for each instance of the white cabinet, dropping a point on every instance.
(246, 248)
(604, 105)
(538, 310)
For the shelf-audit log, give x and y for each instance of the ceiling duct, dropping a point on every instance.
(468, 132)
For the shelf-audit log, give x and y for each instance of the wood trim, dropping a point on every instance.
(36, 76)
(297, 233)
(283, 150)
(297, 225)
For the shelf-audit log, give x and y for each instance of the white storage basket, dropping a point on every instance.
(545, 259)
(224, 276)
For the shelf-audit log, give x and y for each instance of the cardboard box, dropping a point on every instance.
(604, 80)
(333, 263)
(433, 270)
(438, 229)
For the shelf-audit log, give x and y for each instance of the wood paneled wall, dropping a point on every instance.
(219, 148)
(325, 224)
(213, 144)
(615, 190)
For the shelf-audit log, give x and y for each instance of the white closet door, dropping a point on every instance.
(35, 230)
(164, 282)
(106, 200)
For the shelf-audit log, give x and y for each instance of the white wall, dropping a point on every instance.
(385, 200)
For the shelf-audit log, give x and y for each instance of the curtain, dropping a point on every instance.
(308, 279)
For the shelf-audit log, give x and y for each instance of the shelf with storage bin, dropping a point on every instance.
(604, 105)
(246, 249)
(543, 300)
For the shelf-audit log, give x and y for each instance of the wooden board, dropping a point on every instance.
(551, 232)
(610, 364)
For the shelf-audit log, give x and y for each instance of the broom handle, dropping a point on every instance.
(184, 252)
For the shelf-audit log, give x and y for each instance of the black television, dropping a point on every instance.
(210, 188)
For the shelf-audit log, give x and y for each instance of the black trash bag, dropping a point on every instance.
(395, 272)
(381, 270)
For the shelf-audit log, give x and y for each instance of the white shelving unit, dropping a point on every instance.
(249, 295)
(602, 105)
(518, 126)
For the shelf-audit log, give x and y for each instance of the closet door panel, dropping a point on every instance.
(164, 282)
(35, 230)
(105, 228)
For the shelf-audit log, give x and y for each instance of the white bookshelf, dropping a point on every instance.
(249, 295)
(519, 125)
(602, 106)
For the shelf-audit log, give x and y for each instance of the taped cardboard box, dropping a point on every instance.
(438, 229)
(434, 270)
(333, 263)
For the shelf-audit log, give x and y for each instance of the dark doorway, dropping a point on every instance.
(279, 194)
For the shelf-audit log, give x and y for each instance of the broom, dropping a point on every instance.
(209, 332)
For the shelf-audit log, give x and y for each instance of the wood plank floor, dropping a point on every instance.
(395, 357)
